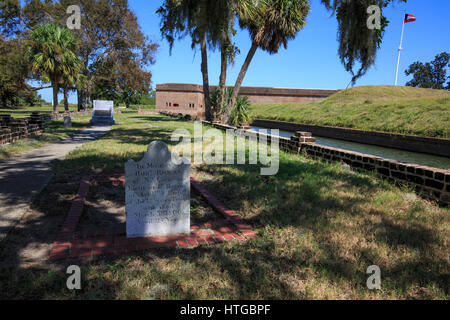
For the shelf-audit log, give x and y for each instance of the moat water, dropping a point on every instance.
(388, 153)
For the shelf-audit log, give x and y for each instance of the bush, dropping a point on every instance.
(240, 113)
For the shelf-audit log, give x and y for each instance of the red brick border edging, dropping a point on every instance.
(71, 244)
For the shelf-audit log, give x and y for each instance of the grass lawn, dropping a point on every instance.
(404, 110)
(319, 226)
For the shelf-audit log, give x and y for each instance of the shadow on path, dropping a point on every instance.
(23, 177)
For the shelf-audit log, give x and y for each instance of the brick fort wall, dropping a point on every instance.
(187, 99)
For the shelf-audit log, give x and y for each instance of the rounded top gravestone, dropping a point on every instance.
(67, 122)
(157, 193)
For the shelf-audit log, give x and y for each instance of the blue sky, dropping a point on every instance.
(311, 59)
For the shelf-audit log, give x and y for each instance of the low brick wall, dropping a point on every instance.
(432, 183)
(434, 146)
(73, 243)
(12, 129)
(289, 145)
(428, 182)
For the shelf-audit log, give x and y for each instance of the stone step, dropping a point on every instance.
(101, 117)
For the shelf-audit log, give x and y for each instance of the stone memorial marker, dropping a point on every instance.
(67, 122)
(157, 194)
(103, 112)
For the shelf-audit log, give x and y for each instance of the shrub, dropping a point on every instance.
(240, 114)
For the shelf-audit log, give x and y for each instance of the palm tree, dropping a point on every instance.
(209, 24)
(224, 26)
(72, 80)
(240, 114)
(52, 56)
(187, 18)
(271, 23)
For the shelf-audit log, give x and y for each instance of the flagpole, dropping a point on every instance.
(399, 51)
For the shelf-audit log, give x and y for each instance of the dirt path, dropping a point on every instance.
(24, 177)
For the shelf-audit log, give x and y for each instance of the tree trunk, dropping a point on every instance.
(66, 99)
(237, 86)
(204, 68)
(222, 81)
(55, 96)
(81, 93)
(79, 99)
(87, 99)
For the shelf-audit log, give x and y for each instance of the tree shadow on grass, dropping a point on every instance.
(298, 188)
(89, 161)
(142, 137)
(308, 205)
(253, 269)
(57, 124)
(305, 197)
(301, 196)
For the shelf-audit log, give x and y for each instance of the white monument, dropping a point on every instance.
(103, 112)
(157, 194)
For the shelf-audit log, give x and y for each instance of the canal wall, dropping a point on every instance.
(432, 183)
(433, 146)
(428, 182)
